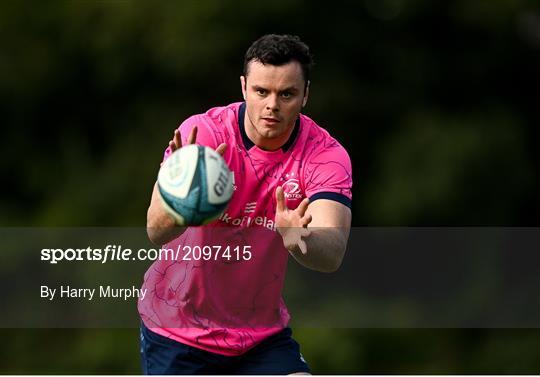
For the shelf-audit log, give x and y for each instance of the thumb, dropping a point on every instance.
(280, 199)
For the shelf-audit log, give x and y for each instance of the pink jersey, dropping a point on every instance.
(229, 305)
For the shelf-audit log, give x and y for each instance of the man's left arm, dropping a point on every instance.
(316, 233)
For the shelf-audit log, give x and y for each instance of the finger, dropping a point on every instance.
(280, 199)
(221, 148)
(192, 136)
(303, 207)
(303, 247)
(306, 220)
(305, 232)
(177, 139)
(172, 145)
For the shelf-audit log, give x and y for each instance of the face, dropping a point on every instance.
(274, 96)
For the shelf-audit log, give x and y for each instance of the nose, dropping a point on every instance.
(272, 103)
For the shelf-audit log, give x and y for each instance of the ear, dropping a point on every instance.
(243, 85)
(306, 94)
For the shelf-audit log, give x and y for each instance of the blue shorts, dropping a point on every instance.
(279, 354)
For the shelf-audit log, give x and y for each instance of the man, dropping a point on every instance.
(292, 196)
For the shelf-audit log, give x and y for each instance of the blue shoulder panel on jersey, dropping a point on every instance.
(332, 196)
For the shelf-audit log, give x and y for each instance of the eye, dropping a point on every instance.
(286, 95)
(261, 92)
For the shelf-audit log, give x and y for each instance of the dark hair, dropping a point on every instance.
(278, 50)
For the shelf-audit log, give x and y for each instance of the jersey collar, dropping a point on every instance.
(247, 141)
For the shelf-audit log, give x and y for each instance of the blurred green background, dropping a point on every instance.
(435, 102)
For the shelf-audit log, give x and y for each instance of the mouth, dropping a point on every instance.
(270, 120)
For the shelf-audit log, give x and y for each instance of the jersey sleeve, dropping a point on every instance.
(328, 175)
(205, 134)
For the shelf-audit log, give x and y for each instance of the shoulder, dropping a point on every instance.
(215, 116)
(222, 114)
(320, 144)
(215, 124)
(327, 169)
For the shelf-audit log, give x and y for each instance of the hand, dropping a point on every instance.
(292, 224)
(161, 226)
(176, 142)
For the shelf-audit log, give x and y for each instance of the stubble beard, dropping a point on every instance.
(269, 134)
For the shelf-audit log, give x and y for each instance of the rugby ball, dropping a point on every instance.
(195, 185)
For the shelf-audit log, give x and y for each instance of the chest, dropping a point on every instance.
(255, 181)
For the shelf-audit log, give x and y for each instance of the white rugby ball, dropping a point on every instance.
(195, 185)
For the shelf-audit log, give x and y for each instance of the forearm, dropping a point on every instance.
(325, 249)
(160, 226)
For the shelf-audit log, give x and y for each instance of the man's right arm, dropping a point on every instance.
(160, 226)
